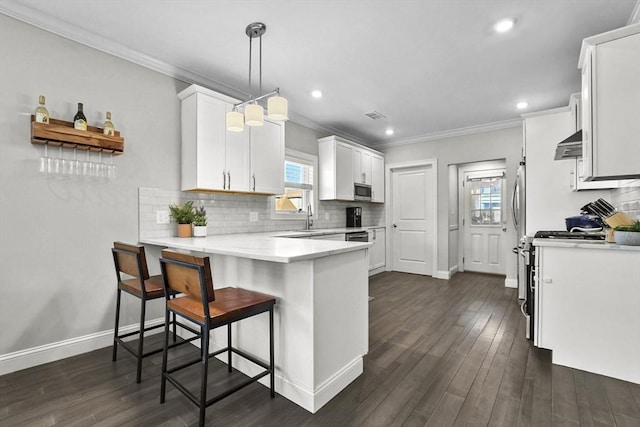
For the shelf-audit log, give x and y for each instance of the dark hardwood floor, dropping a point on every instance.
(442, 353)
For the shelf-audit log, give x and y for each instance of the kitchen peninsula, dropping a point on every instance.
(321, 314)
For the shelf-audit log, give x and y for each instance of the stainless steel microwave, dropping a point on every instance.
(361, 191)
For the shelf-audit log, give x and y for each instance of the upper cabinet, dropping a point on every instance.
(377, 178)
(335, 161)
(214, 159)
(610, 64)
(577, 180)
(343, 163)
(361, 166)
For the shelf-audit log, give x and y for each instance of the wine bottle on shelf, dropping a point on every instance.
(107, 127)
(42, 114)
(79, 120)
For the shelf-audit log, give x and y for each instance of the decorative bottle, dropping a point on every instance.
(107, 127)
(42, 114)
(79, 120)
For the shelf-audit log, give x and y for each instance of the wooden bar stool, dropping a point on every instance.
(191, 276)
(131, 260)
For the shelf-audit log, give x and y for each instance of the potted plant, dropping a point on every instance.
(627, 234)
(183, 215)
(200, 222)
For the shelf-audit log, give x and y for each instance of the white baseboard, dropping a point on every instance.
(511, 283)
(446, 275)
(23, 359)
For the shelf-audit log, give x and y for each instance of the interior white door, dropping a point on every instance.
(484, 222)
(412, 220)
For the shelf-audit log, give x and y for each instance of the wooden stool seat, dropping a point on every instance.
(154, 287)
(190, 276)
(230, 303)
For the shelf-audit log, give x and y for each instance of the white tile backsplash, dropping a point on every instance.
(627, 199)
(229, 213)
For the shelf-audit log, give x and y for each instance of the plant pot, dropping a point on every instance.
(184, 230)
(199, 231)
(630, 238)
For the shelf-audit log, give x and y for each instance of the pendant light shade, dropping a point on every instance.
(254, 115)
(277, 108)
(235, 121)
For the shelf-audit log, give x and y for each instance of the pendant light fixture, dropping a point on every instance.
(277, 108)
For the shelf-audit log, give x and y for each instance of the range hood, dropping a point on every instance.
(570, 147)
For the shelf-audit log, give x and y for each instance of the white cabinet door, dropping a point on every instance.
(237, 161)
(344, 171)
(203, 142)
(377, 252)
(377, 178)
(361, 166)
(267, 158)
(611, 104)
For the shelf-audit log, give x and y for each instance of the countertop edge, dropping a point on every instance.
(582, 244)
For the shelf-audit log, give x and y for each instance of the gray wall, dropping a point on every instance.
(500, 144)
(56, 268)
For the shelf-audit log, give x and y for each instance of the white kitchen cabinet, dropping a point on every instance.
(214, 159)
(587, 308)
(610, 64)
(377, 252)
(336, 169)
(267, 158)
(377, 178)
(343, 163)
(361, 166)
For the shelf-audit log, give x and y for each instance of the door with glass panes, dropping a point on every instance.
(484, 222)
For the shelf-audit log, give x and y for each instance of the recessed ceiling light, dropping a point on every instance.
(316, 94)
(503, 25)
(389, 132)
(522, 105)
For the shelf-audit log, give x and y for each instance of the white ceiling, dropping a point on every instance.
(432, 67)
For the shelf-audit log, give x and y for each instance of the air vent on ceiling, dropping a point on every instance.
(375, 115)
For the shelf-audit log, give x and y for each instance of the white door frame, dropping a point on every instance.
(389, 169)
(462, 170)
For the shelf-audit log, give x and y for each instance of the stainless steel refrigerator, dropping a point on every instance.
(518, 210)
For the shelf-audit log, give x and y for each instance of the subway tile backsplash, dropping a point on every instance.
(230, 213)
(627, 199)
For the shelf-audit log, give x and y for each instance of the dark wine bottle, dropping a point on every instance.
(79, 120)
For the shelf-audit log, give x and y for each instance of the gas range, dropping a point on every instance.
(574, 235)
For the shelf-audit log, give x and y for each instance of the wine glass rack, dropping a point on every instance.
(60, 133)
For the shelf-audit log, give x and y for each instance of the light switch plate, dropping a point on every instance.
(162, 217)
(253, 216)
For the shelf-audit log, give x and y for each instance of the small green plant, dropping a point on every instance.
(635, 227)
(182, 214)
(200, 218)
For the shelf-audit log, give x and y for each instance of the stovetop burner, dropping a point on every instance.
(577, 235)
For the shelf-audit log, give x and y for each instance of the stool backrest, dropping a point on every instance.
(187, 274)
(130, 259)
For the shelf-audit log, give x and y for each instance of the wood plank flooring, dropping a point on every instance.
(442, 353)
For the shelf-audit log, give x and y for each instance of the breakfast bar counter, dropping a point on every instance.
(321, 312)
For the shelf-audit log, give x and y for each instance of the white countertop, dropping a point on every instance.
(276, 246)
(583, 244)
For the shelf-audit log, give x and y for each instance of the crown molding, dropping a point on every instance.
(470, 130)
(87, 38)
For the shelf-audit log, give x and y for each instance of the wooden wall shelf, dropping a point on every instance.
(61, 133)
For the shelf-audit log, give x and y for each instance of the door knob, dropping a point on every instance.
(395, 225)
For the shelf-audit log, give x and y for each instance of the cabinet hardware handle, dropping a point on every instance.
(224, 180)
(229, 175)
(254, 181)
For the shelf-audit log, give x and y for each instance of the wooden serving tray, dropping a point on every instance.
(61, 133)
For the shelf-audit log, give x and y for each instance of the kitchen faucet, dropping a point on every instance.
(309, 220)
